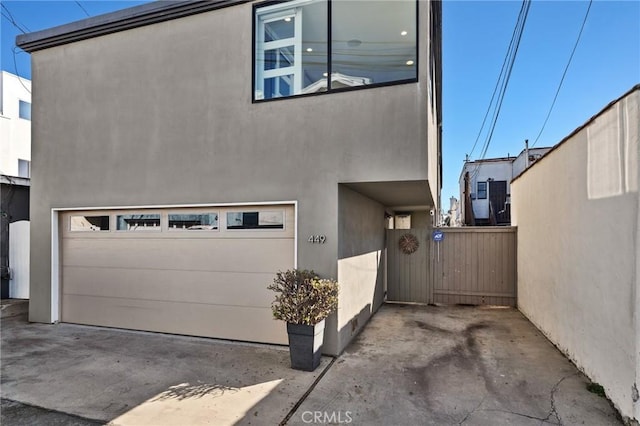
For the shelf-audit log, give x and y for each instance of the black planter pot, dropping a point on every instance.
(305, 345)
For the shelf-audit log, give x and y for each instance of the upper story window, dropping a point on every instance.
(24, 110)
(482, 190)
(312, 46)
(24, 168)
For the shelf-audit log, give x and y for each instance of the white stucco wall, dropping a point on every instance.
(15, 132)
(577, 213)
(481, 172)
(520, 163)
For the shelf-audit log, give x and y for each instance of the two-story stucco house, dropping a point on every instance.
(183, 152)
(485, 186)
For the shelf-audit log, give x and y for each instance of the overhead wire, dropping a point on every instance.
(9, 17)
(83, 9)
(566, 68)
(6, 13)
(526, 7)
(503, 81)
(495, 89)
(15, 66)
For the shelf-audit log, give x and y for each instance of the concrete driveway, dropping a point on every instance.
(412, 365)
(428, 365)
(133, 378)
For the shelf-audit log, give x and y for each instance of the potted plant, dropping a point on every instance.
(304, 300)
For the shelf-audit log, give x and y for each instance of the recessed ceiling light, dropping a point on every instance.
(409, 62)
(403, 33)
(309, 49)
(287, 19)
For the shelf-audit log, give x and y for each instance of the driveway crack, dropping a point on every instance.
(552, 397)
(545, 420)
(473, 411)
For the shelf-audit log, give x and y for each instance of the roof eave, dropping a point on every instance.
(146, 14)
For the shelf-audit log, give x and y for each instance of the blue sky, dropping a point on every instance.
(476, 35)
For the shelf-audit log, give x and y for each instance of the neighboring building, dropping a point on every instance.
(15, 125)
(187, 151)
(579, 270)
(453, 215)
(485, 187)
(14, 209)
(15, 164)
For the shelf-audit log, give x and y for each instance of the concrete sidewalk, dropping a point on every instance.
(412, 365)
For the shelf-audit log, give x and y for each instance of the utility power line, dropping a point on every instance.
(15, 65)
(584, 21)
(505, 71)
(83, 9)
(518, 31)
(502, 82)
(9, 17)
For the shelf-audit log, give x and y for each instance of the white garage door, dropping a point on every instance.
(200, 272)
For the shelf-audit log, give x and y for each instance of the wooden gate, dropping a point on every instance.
(471, 265)
(408, 277)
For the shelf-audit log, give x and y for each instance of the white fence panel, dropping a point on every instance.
(19, 259)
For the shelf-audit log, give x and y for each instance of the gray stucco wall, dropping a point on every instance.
(361, 264)
(162, 114)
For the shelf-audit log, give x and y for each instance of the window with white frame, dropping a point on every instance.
(482, 191)
(24, 110)
(24, 168)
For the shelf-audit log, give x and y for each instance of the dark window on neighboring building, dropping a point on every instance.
(371, 42)
(482, 190)
(24, 110)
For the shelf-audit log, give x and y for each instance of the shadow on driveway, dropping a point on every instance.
(411, 365)
(422, 365)
(101, 375)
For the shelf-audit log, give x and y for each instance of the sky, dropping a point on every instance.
(476, 35)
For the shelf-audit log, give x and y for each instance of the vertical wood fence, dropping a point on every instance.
(471, 265)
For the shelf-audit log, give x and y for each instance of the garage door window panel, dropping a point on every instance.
(255, 220)
(81, 223)
(193, 222)
(138, 222)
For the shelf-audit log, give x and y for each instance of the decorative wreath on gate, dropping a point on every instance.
(408, 243)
